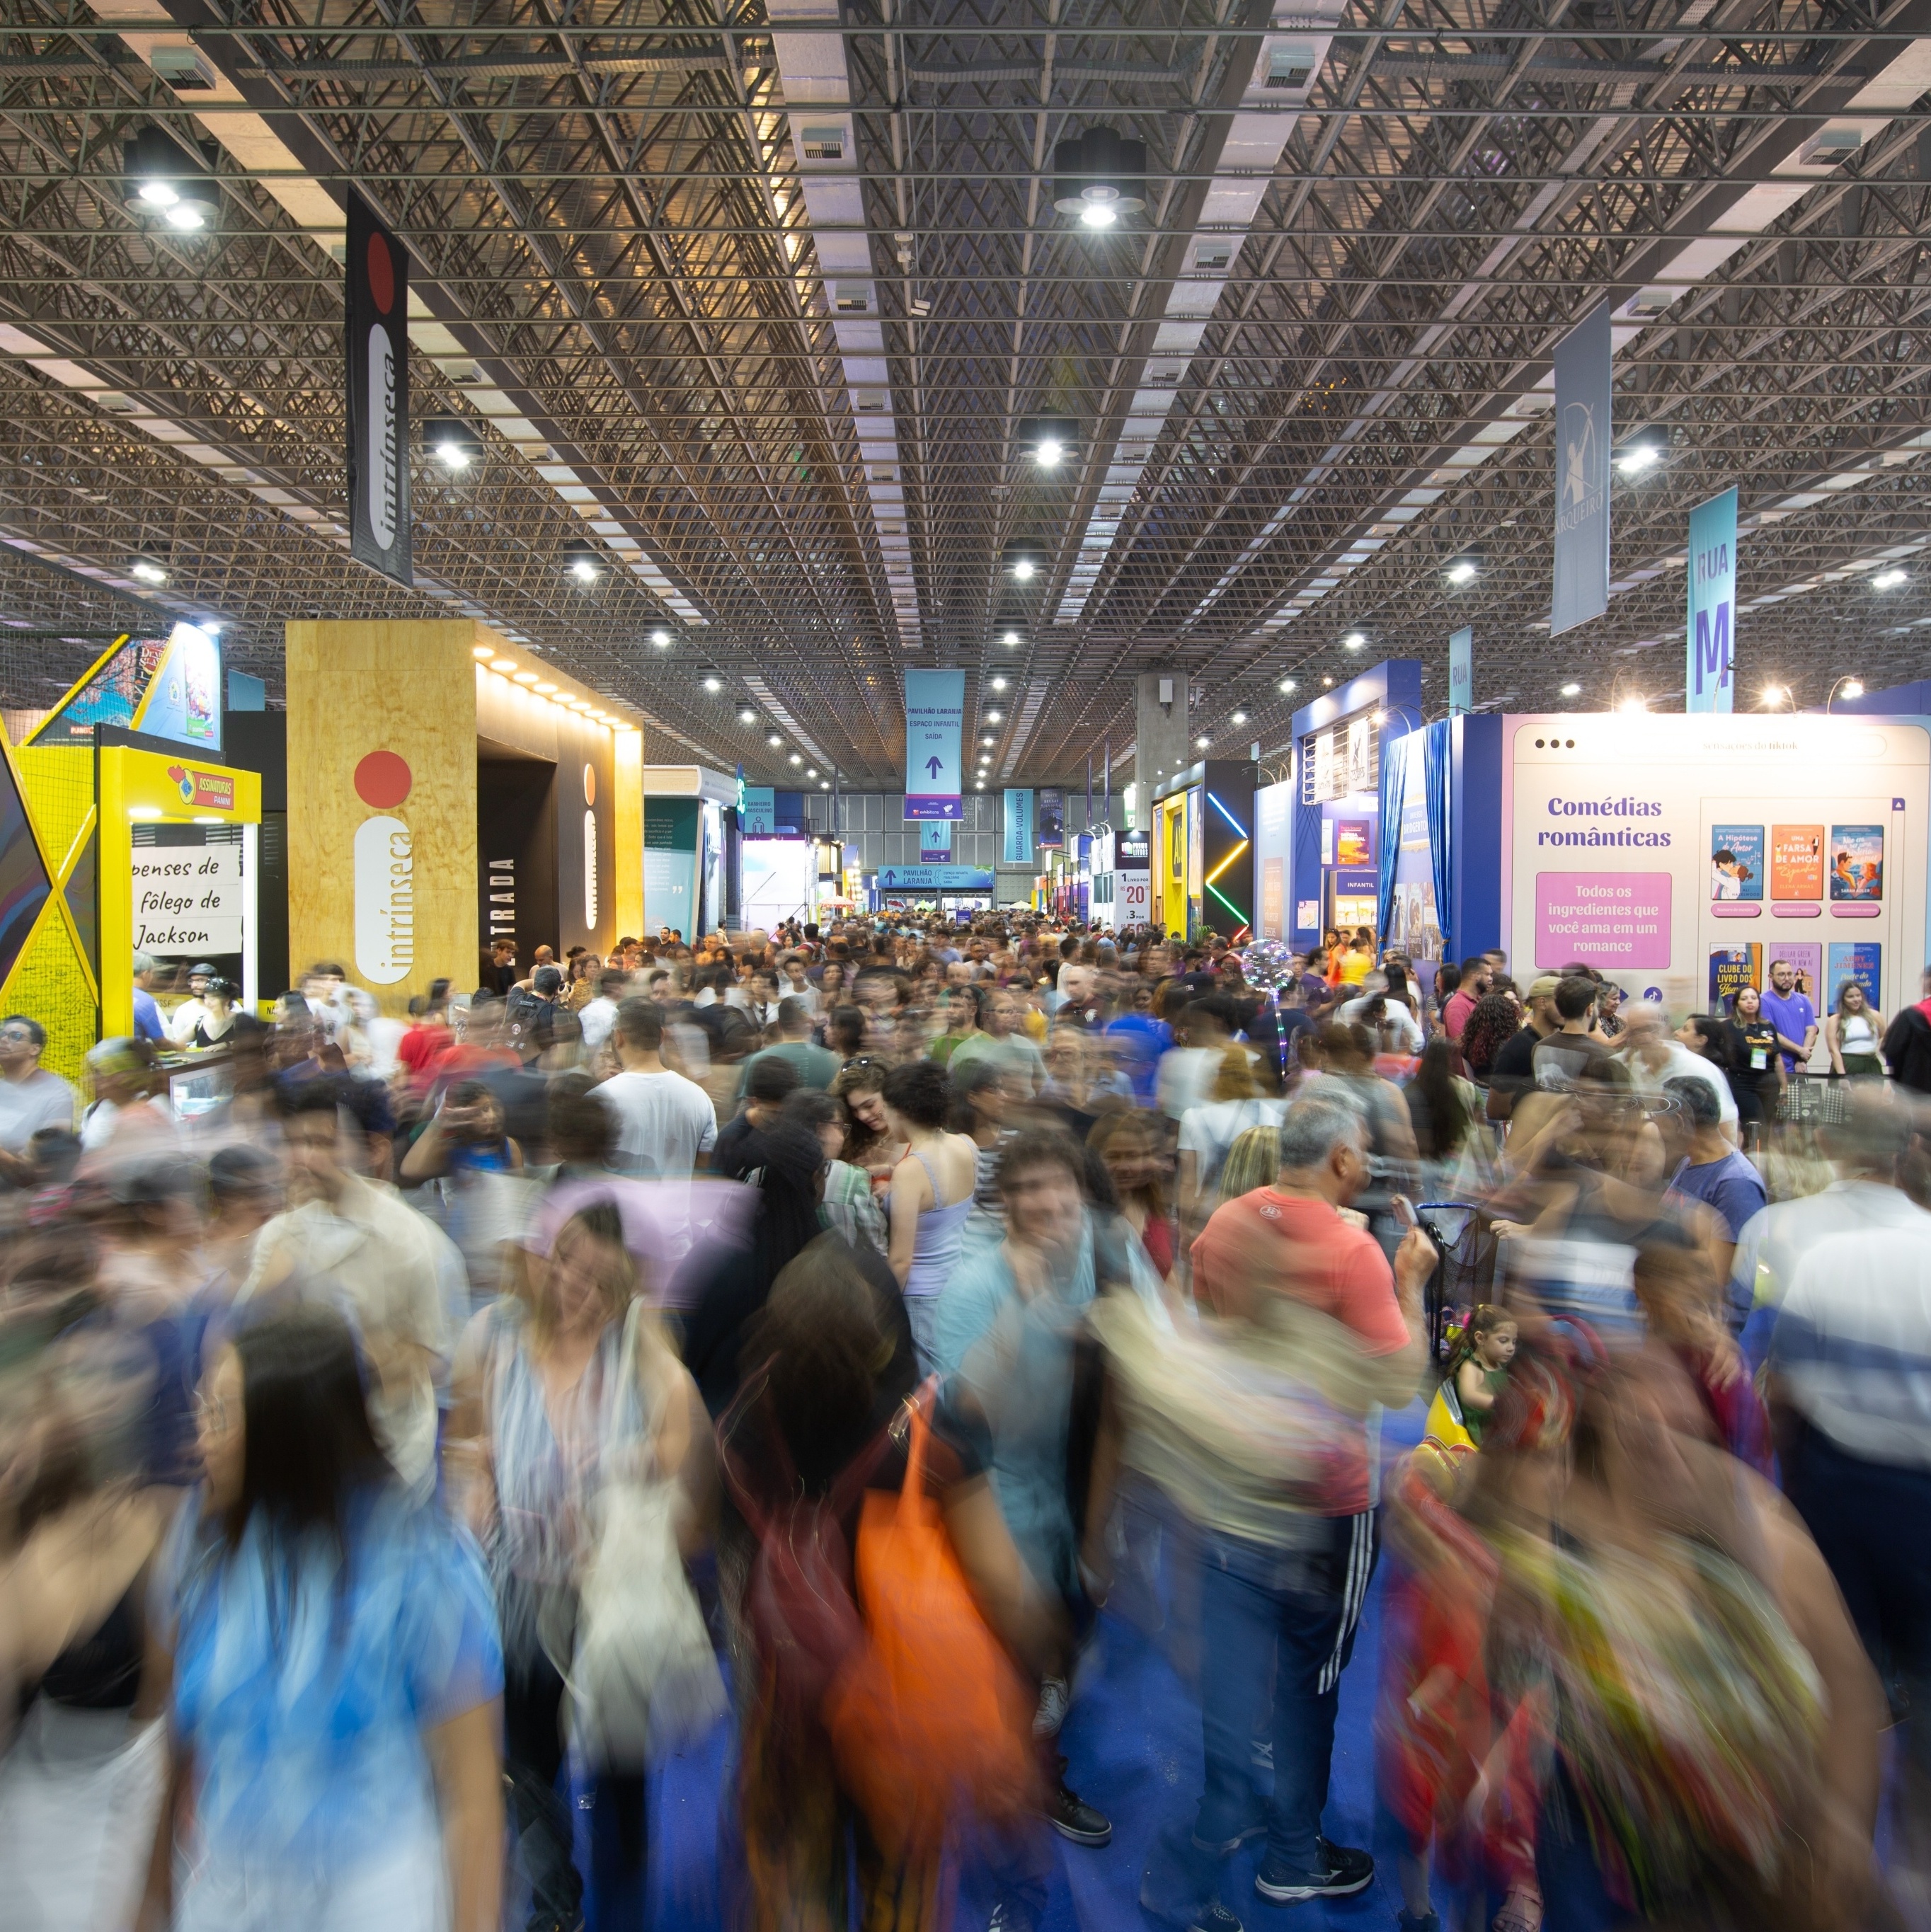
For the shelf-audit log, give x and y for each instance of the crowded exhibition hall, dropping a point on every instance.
(966, 968)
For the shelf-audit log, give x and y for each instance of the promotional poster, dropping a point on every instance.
(1635, 844)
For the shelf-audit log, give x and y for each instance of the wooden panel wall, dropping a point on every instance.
(627, 839)
(409, 689)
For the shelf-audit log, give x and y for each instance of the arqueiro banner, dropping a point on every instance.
(378, 333)
(1709, 683)
(935, 720)
(1582, 387)
(1016, 828)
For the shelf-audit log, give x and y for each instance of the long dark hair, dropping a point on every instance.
(1447, 1112)
(308, 1445)
(1491, 1023)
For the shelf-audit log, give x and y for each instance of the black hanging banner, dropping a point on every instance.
(378, 316)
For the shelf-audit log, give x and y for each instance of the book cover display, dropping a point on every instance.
(1736, 862)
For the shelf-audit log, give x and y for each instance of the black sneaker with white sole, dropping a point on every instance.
(1342, 1871)
(1072, 1817)
(1214, 1917)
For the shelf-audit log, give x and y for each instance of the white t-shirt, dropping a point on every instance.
(1208, 1131)
(43, 1099)
(664, 1121)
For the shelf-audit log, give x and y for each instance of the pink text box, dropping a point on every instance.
(1602, 919)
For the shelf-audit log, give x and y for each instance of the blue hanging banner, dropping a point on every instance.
(935, 723)
(935, 842)
(1582, 389)
(1016, 831)
(1461, 669)
(1708, 681)
(1051, 828)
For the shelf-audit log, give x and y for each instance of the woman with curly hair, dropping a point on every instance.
(1495, 1020)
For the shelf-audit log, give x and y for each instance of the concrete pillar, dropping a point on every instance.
(1161, 744)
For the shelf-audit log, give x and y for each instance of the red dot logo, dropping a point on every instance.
(382, 274)
(383, 781)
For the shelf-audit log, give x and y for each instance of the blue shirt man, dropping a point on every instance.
(148, 1022)
(1791, 1013)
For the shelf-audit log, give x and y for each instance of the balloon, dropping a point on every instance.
(1267, 965)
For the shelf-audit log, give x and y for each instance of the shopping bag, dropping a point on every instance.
(930, 1721)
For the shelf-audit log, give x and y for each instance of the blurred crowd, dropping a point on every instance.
(413, 1430)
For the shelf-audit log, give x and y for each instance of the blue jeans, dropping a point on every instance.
(1297, 1609)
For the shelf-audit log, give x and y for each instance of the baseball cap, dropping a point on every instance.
(1543, 985)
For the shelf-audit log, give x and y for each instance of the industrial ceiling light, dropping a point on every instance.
(1024, 561)
(661, 639)
(1011, 638)
(714, 684)
(994, 717)
(148, 569)
(989, 741)
(981, 786)
(580, 559)
(1099, 177)
(1239, 718)
(1889, 580)
(774, 741)
(999, 684)
(825, 785)
(1353, 641)
(1462, 571)
(1048, 439)
(196, 202)
(161, 179)
(1201, 744)
(747, 717)
(449, 441)
(1572, 690)
(1638, 457)
(796, 760)
(1634, 706)
(1852, 688)
(811, 771)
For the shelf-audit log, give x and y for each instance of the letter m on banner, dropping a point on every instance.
(1708, 683)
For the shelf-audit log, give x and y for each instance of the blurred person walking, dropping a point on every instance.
(563, 1388)
(932, 1192)
(352, 1242)
(327, 1651)
(1296, 1604)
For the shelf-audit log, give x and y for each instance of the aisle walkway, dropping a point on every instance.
(1134, 1739)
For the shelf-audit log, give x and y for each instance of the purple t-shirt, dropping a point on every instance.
(1793, 1015)
(1732, 1185)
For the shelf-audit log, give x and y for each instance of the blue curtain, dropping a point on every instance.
(1436, 756)
(1388, 832)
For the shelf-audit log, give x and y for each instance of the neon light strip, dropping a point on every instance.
(1226, 814)
(1225, 863)
(1230, 904)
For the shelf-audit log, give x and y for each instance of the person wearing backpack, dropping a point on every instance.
(819, 1437)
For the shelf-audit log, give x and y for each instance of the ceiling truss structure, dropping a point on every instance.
(782, 387)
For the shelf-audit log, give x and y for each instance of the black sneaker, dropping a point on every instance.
(1342, 1872)
(1072, 1818)
(1214, 1917)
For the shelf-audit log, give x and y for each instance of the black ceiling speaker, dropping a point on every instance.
(1099, 176)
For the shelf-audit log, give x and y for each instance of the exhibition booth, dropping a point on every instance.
(122, 828)
(1202, 844)
(1683, 855)
(448, 789)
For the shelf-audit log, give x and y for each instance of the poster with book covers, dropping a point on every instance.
(1732, 968)
(1806, 956)
(1797, 862)
(1857, 862)
(1736, 862)
(1858, 959)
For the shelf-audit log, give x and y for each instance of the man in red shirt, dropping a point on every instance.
(1295, 1608)
(1476, 979)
